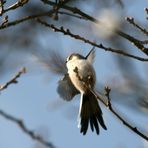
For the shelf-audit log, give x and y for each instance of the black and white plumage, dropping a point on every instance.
(83, 77)
(75, 68)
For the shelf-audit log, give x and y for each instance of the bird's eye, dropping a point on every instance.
(69, 58)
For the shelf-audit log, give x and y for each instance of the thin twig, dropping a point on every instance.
(19, 3)
(109, 105)
(70, 14)
(132, 21)
(2, 2)
(72, 9)
(78, 37)
(75, 10)
(13, 23)
(13, 80)
(27, 131)
(146, 10)
(144, 42)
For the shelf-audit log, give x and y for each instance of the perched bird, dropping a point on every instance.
(79, 78)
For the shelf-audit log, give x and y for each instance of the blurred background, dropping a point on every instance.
(35, 100)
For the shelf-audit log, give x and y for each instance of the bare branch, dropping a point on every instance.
(144, 42)
(134, 41)
(69, 33)
(72, 9)
(19, 3)
(13, 80)
(126, 36)
(2, 2)
(109, 106)
(70, 14)
(27, 131)
(146, 10)
(13, 23)
(132, 21)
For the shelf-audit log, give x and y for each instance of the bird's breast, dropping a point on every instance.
(82, 74)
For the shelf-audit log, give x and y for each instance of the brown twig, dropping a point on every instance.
(13, 23)
(126, 36)
(144, 42)
(72, 9)
(29, 132)
(70, 14)
(78, 37)
(109, 105)
(26, 18)
(13, 80)
(2, 2)
(134, 41)
(146, 10)
(19, 3)
(132, 21)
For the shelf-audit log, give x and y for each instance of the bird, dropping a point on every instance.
(79, 77)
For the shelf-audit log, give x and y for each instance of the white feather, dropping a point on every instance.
(79, 117)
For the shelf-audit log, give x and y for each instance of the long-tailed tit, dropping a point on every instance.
(79, 78)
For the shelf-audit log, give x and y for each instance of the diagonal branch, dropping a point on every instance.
(27, 131)
(132, 21)
(126, 36)
(144, 42)
(19, 3)
(109, 105)
(2, 2)
(78, 37)
(26, 18)
(146, 10)
(13, 80)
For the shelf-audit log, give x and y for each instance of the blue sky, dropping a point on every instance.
(31, 99)
(32, 107)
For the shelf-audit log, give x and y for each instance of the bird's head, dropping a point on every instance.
(74, 56)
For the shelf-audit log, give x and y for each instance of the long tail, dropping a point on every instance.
(90, 112)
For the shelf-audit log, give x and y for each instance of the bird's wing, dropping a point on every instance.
(52, 60)
(91, 55)
(66, 89)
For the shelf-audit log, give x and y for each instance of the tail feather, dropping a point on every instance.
(90, 113)
(101, 121)
(91, 124)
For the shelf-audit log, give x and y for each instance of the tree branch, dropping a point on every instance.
(146, 11)
(75, 10)
(109, 105)
(19, 3)
(26, 18)
(27, 131)
(2, 2)
(13, 80)
(69, 33)
(70, 14)
(132, 21)
(144, 42)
